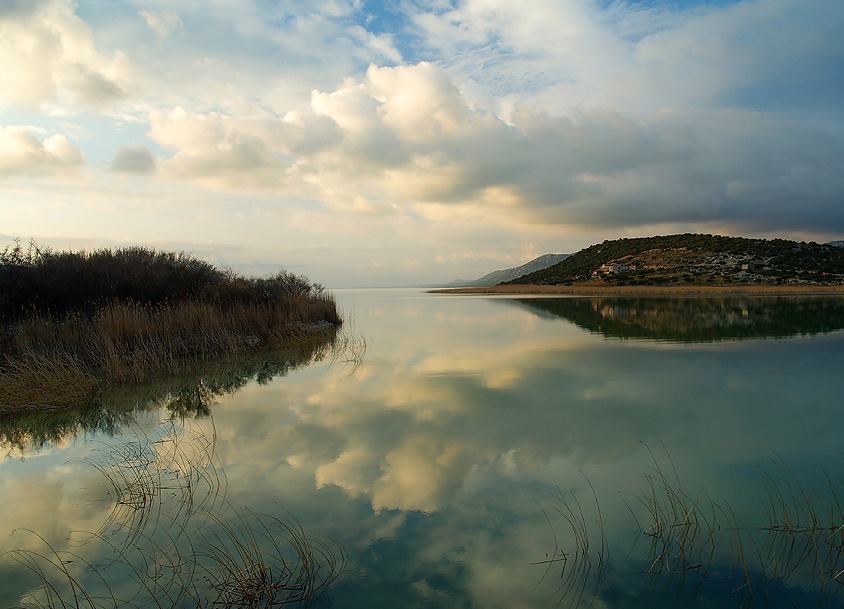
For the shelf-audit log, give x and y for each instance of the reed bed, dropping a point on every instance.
(125, 341)
(72, 321)
(187, 395)
(55, 363)
(36, 381)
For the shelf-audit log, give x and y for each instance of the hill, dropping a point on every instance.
(696, 259)
(837, 243)
(504, 275)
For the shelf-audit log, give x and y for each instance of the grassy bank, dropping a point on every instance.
(73, 321)
(189, 394)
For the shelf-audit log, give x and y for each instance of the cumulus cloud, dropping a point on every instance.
(135, 159)
(49, 56)
(28, 151)
(639, 57)
(407, 135)
(12, 8)
(578, 118)
(217, 150)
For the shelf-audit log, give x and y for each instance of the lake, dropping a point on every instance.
(482, 451)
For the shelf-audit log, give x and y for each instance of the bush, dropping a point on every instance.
(40, 281)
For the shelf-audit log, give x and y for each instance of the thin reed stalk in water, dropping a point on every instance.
(171, 539)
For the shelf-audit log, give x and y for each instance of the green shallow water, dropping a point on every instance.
(500, 452)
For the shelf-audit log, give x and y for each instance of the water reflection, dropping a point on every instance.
(172, 539)
(190, 394)
(440, 464)
(696, 319)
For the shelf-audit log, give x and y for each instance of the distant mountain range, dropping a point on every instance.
(504, 275)
(837, 243)
(696, 259)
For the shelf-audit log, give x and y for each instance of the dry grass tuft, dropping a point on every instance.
(55, 363)
(44, 383)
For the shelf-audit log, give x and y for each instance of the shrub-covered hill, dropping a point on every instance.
(697, 259)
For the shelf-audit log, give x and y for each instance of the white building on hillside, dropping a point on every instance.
(614, 268)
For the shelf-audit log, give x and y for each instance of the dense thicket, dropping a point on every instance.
(788, 256)
(35, 280)
(70, 322)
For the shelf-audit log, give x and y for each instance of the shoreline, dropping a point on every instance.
(58, 363)
(648, 290)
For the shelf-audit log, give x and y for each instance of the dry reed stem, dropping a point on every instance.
(53, 363)
(172, 539)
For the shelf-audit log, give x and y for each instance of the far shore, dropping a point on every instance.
(650, 290)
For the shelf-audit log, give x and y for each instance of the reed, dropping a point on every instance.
(55, 363)
(690, 539)
(190, 394)
(172, 539)
(42, 382)
(73, 321)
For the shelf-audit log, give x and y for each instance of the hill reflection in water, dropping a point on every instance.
(695, 319)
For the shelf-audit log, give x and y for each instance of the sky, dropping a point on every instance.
(400, 142)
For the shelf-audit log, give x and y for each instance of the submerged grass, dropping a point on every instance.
(691, 539)
(172, 539)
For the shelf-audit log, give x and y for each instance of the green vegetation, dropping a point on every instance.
(697, 259)
(73, 321)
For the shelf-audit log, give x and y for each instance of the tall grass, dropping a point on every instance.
(190, 394)
(71, 320)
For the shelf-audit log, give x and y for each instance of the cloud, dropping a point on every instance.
(163, 23)
(17, 8)
(572, 121)
(23, 152)
(407, 136)
(49, 56)
(135, 159)
(218, 150)
(382, 45)
(639, 57)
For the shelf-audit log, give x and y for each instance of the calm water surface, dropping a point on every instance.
(500, 452)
